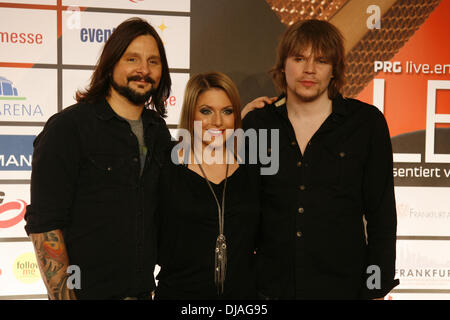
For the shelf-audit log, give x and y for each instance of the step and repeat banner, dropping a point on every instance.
(398, 59)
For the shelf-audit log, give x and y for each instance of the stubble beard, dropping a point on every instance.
(312, 97)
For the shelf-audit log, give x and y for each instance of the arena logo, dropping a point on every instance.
(8, 105)
(94, 35)
(8, 91)
(11, 213)
(16, 152)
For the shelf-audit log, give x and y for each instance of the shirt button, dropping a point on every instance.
(299, 234)
(302, 187)
(299, 164)
(293, 143)
(135, 159)
(301, 210)
(342, 154)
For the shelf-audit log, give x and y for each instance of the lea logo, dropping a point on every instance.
(11, 213)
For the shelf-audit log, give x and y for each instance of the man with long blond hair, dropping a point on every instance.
(335, 174)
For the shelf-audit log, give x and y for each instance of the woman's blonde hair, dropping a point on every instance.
(200, 83)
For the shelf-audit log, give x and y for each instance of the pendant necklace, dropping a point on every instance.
(220, 252)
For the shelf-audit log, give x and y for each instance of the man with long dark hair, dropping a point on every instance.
(335, 171)
(95, 171)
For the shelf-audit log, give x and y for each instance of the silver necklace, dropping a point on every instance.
(220, 252)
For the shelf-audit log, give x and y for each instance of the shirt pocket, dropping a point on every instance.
(109, 170)
(349, 166)
(342, 166)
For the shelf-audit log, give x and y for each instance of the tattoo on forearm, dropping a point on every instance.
(61, 292)
(53, 262)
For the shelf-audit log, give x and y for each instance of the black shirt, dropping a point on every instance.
(86, 181)
(313, 242)
(189, 227)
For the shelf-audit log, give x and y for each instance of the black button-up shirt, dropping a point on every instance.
(86, 181)
(313, 242)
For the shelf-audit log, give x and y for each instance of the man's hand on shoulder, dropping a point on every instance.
(257, 103)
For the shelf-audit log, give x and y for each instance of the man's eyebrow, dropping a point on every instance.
(132, 53)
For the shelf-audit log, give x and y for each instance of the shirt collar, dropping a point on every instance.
(104, 112)
(339, 107)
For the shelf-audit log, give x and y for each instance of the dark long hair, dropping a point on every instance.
(113, 50)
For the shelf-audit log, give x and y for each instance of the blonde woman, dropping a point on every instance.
(209, 212)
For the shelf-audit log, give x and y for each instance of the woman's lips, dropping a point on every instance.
(215, 132)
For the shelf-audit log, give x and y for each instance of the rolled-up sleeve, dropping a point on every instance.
(380, 212)
(54, 175)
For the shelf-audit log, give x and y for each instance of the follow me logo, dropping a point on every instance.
(16, 152)
(11, 102)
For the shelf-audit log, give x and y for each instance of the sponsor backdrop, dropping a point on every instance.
(398, 60)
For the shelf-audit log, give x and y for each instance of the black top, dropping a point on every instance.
(86, 181)
(189, 227)
(313, 241)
